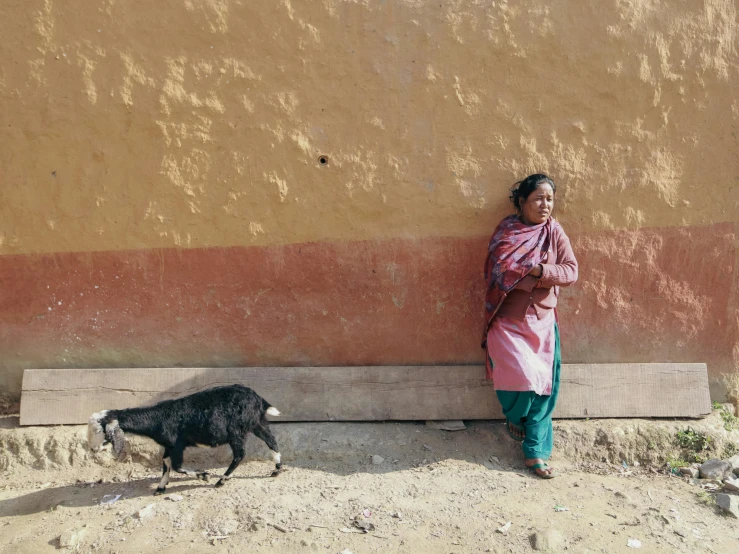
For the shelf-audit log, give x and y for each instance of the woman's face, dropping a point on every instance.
(537, 208)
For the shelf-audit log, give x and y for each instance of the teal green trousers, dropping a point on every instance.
(532, 412)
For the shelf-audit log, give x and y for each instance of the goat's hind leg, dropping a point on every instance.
(263, 432)
(178, 454)
(238, 451)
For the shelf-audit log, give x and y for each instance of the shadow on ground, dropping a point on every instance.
(341, 449)
(85, 495)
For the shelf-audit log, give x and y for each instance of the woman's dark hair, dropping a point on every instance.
(521, 190)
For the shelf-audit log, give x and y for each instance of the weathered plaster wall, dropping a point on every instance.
(162, 203)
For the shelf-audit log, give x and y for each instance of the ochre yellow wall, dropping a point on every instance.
(129, 128)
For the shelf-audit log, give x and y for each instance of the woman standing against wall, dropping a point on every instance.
(529, 258)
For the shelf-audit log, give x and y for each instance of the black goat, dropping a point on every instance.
(221, 415)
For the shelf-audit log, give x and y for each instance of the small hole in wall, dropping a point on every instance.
(53, 173)
(323, 160)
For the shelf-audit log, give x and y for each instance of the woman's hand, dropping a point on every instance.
(537, 271)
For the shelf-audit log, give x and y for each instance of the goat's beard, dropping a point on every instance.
(95, 435)
(115, 435)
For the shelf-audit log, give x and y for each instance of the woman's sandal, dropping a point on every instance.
(542, 467)
(518, 438)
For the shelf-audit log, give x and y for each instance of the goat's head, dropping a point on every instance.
(100, 432)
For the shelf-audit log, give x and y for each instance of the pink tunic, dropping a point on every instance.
(522, 351)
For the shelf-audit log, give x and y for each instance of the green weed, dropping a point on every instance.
(693, 440)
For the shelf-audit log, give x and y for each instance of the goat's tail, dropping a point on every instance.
(268, 409)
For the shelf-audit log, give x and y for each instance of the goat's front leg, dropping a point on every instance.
(238, 451)
(178, 453)
(166, 468)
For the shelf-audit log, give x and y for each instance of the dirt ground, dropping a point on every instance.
(434, 491)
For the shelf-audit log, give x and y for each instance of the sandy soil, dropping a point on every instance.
(435, 491)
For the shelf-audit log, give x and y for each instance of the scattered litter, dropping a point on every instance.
(109, 499)
(633, 543)
(346, 552)
(278, 527)
(623, 463)
(398, 515)
(495, 459)
(455, 425)
(176, 497)
(145, 512)
(427, 447)
(504, 529)
(362, 524)
(559, 508)
(367, 513)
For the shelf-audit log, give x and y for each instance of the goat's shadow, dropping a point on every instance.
(90, 494)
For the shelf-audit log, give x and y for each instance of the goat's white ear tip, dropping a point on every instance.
(273, 411)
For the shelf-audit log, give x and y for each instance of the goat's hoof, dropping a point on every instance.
(220, 483)
(204, 476)
(159, 491)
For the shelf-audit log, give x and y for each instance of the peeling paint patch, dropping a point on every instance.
(255, 229)
(281, 184)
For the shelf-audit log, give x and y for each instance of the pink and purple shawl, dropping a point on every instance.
(514, 250)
